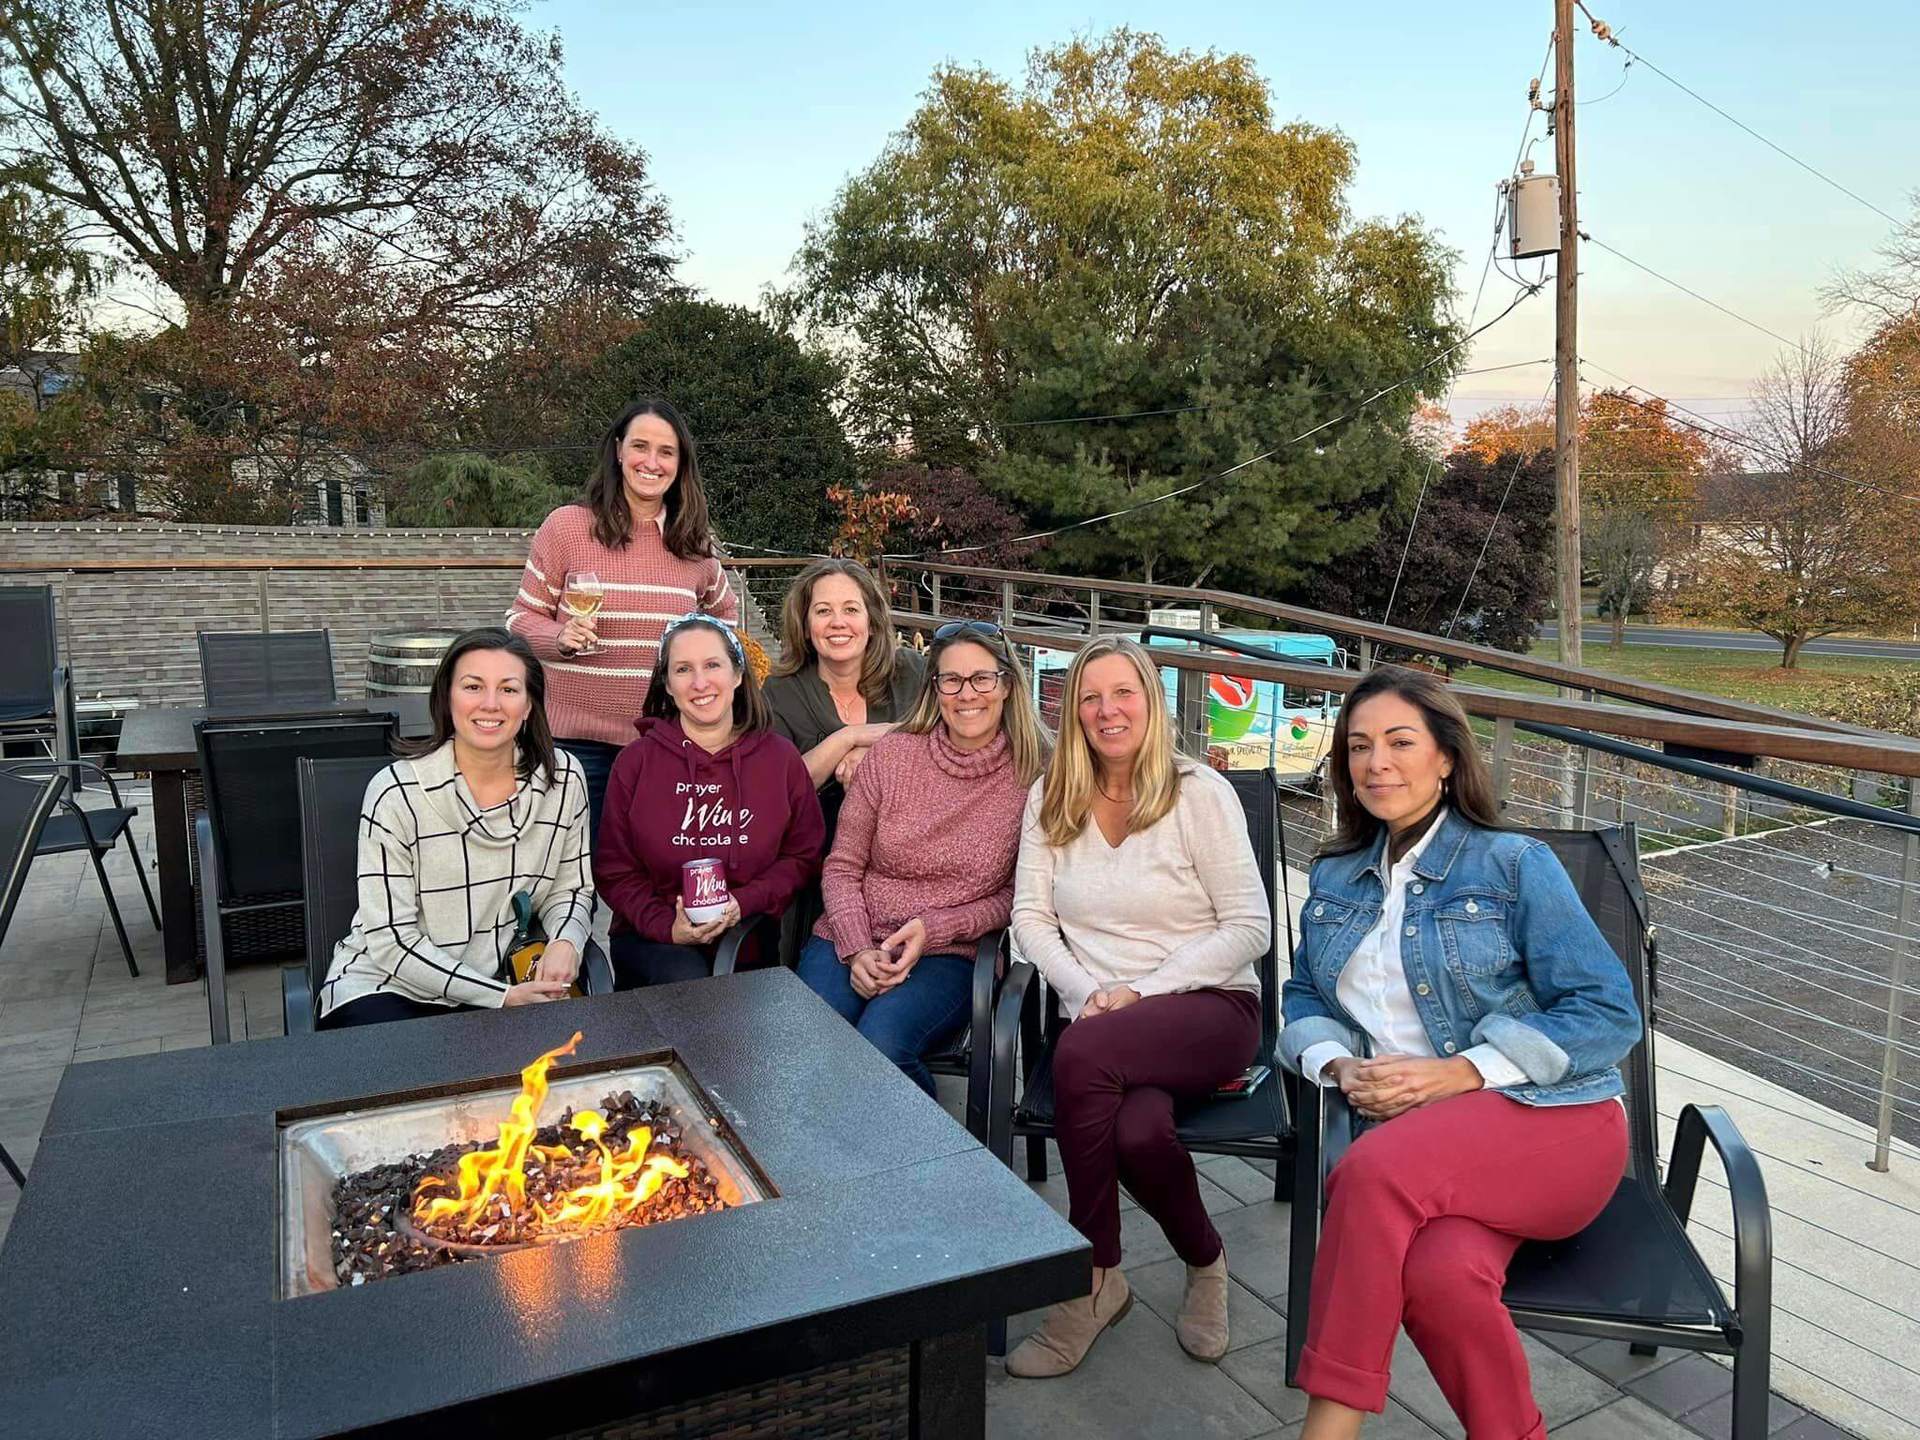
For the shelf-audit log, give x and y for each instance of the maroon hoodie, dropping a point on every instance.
(668, 801)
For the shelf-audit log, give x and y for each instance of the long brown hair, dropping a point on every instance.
(1027, 738)
(688, 531)
(1066, 801)
(796, 637)
(750, 710)
(535, 740)
(1469, 789)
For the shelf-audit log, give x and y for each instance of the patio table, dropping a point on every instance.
(159, 740)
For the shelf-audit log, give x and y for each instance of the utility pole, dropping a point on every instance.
(1566, 350)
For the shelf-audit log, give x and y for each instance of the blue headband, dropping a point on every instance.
(700, 617)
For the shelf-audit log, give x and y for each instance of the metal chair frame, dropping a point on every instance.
(1742, 1329)
(19, 864)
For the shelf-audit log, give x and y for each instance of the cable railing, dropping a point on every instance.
(1784, 903)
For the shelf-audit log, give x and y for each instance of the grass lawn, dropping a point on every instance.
(1736, 674)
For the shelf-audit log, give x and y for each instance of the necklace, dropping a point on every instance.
(1112, 799)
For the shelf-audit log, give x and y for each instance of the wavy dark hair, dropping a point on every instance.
(688, 530)
(750, 710)
(1469, 789)
(535, 740)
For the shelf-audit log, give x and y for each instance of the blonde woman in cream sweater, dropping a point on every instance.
(1138, 898)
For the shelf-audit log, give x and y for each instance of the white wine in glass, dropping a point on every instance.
(582, 597)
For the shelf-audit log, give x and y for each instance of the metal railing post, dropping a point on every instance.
(1583, 784)
(1191, 697)
(1366, 654)
(1006, 604)
(1502, 760)
(1896, 988)
(936, 592)
(1093, 613)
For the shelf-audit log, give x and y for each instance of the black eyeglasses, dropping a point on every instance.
(984, 682)
(968, 627)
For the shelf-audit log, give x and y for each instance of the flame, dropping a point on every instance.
(492, 1182)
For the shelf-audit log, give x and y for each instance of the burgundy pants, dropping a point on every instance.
(1423, 1215)
(1115, 1078)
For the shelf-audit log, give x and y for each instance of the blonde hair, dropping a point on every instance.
(1066, 800)
(796, 638)
(1027, 738)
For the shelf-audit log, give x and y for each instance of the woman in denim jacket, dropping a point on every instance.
(1448, 979)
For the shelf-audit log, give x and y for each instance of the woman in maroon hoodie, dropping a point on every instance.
(707, 777)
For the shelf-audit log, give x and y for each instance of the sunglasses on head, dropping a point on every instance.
(968, 627)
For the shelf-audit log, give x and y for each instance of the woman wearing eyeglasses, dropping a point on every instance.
(706, 778)
(922, 862)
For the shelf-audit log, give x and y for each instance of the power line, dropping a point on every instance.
(1686, 290)
(1728, 435)
(1734, 120)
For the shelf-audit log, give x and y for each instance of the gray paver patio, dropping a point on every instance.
(66, 998)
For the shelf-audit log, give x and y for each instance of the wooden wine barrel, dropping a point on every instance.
(402, 662)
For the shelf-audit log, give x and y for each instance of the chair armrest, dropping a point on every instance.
(296, 999)
(1016, 993)
(1323, 1128)
(596, 970)
(1752, 1215)
(66, 720)
(726, 958)
(75, 767)
(210, 919)
(987, 955)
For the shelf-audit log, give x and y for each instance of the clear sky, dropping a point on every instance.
(753, 115)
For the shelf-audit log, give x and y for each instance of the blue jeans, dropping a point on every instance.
(596, 759)
(906, 1022)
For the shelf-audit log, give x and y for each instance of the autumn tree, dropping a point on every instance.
(1480, 563)
(1633, 454)
(1810, 550)
(1127, 229)
(47, 282)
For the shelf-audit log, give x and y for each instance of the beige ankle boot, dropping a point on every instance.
(1202, 1326)
(1068, 1332)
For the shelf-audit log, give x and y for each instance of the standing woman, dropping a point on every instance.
(843, 680)
(1140, 902)
(643, 533)
(1450, 982)
(922, 864)
(706, 778)
(482, 811)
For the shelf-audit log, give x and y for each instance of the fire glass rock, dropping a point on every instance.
(369, 1244)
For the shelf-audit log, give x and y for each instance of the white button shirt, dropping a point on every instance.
(1373, 988)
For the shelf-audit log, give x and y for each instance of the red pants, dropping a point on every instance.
(1115, 1078)
(1423, 1215)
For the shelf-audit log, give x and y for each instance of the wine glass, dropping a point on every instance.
(582, 596)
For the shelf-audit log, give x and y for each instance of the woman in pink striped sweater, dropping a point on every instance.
(643, 530)
(922, 862)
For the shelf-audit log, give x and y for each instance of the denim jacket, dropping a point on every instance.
(1497, 948)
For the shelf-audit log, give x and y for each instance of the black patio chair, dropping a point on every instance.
(1259, 1126)
(95, 830)
(247, 841)
(331, 794)
(36, 690)
(1632, 1274)
(27, 802)
(260, 669)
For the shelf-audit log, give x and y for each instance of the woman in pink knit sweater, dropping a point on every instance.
(643, 530)
(922, 861)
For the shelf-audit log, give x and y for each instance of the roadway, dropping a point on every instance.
(1597, 635)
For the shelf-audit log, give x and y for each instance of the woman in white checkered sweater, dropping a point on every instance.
(488, 808)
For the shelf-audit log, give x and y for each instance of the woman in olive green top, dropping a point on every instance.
(843, 679)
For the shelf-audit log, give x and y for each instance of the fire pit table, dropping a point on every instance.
(830, 1272)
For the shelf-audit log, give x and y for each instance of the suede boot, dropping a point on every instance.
(1068, 1332)
(1202, 1326)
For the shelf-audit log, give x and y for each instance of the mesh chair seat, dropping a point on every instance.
(63, 832)
(1198, 1123)
(1632, 1263)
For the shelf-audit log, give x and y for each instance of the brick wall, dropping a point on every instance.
(129, 634)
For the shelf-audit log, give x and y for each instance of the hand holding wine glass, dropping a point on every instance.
(581, 597)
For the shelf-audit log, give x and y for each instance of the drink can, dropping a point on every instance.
(703, 889)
